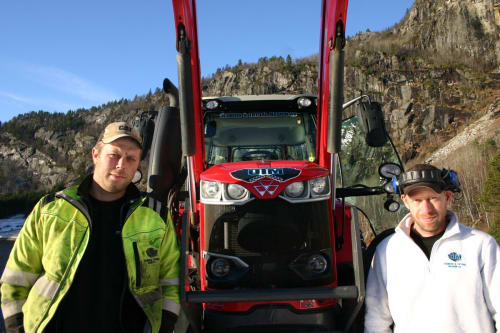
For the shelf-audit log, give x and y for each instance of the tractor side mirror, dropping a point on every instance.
(372, 124)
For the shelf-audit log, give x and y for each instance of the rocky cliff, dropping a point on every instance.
(466, 30)
(436, 72)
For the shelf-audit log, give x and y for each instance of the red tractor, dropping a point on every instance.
(269, 216)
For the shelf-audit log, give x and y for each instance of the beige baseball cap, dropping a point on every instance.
(118, 130)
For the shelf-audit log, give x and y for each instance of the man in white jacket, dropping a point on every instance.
(433, 274)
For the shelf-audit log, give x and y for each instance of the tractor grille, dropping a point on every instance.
(269, 235)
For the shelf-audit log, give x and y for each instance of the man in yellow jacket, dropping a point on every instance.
(96, 257)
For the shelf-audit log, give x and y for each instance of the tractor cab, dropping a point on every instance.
(246, 128)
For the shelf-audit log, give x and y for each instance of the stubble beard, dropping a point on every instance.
(434, 227)
(116, 185)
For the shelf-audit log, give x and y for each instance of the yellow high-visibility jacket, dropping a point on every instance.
(51, 244)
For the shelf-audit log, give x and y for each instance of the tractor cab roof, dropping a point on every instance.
(247, 98)
(250, 103)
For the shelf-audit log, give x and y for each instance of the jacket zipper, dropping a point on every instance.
(137, 266)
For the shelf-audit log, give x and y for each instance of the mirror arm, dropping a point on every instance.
(352, 101)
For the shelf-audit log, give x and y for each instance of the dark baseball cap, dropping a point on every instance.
(434, 186)
(117, 130)
(422, 175)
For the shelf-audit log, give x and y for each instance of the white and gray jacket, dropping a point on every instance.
(457, 290)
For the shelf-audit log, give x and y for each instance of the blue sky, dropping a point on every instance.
(59, 55)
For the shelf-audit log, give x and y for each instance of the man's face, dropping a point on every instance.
(428, 209)
(115, 164)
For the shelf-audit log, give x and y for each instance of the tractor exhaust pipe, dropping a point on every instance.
(172, 93)
(157, 164)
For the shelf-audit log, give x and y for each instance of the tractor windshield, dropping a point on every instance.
(246, 136)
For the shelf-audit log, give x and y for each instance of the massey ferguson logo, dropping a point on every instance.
(264, 187)
(278, 174)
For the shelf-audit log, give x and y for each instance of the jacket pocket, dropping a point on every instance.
(137, 261)
(147, 263)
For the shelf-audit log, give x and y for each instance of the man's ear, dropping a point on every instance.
(404, 198)
(95, 154)
(449, 197)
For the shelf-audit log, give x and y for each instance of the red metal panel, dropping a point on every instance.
(222, 173)
(298, 305)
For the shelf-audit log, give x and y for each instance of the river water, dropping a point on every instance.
(10, 226)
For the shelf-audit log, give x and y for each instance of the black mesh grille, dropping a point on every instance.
(269, 235)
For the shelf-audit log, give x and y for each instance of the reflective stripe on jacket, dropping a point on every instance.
(51, 244)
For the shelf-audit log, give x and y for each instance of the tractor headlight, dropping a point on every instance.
(304, 102)
(217, 193)
(319, 185)
(313, 266)
(220, 267)
(210, 190)
(236, 192)
(212, 105)
(295, 190)
(315, 189)
(317, 264)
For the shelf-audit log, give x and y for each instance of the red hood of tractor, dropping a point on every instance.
(265, 179)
